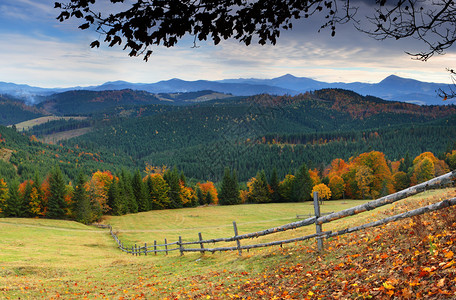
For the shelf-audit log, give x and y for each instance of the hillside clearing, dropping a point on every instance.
(26, 125)
(64, 135)
(38, 261)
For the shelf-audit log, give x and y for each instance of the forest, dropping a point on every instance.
(141, 155)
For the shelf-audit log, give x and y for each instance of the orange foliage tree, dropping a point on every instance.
(208, 187)
(97, 188)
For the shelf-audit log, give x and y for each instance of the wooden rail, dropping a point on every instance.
(317, 220)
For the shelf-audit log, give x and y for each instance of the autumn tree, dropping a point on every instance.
(401, 180)
(364, 179)
(423, 171)
(209, 192)
(324, 193)
(451, 159)
(4, 196)
(97, 188)
(259, 191)
(337, 187)
(157, 189)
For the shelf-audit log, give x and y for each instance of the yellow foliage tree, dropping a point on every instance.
(324, 193)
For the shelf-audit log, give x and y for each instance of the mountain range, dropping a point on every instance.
(392, 88)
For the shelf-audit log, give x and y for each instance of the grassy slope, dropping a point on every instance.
(49, 258)
(26, 125)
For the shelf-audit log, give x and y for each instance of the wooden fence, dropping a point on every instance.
(318, 220)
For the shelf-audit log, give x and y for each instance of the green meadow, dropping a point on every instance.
(48, 259)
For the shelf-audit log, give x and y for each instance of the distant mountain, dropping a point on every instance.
(392, 88)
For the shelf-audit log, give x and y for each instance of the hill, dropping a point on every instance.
(79, 102)
(13, 110)
(262, 132)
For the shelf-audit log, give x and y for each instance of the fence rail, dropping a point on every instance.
(318, 220)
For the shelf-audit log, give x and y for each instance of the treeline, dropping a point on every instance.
(369, 175)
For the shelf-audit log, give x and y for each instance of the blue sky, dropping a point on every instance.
(38, 50)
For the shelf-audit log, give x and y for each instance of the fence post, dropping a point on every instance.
(181, 248)
(145, 249)
(318, 226)
(166, 247)
(201, 244)
(136, 250)
(155, 247)
(237, 241)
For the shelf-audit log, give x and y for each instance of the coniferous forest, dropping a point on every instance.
(125, 151)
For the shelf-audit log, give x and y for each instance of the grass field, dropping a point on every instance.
(62, 259)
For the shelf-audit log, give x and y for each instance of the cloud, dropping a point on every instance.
(47, 53)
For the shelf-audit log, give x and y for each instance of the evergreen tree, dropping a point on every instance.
(172, 179)
(14, 204)
(200, 196)
(229, 191)
(302, 185)
(56, 204)
(208, 199)
(114, 200)
(139, 191)
(82, 207)
(27, 199)
(126, 193)
(274, 184)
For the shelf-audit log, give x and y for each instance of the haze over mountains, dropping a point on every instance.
(391, 88)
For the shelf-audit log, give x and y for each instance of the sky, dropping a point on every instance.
(38, 50)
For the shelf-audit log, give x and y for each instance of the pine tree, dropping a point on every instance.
(172, 179)
(56, 204)
(200, 196)
(208, 199)
(302, 185)
(14, 204)
(229, 191)
(274, 184)
(82, 207)
(139, 192)
(126, 193)
(114, 200)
